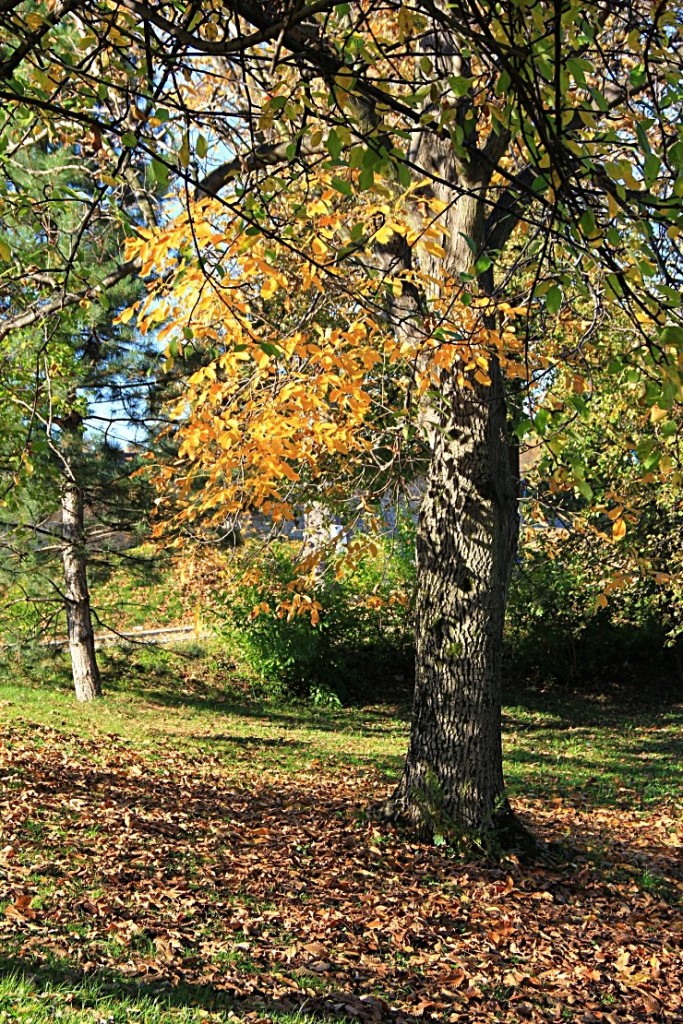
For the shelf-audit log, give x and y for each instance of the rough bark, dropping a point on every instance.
(84, 667)
(452, 781)
(467, 537)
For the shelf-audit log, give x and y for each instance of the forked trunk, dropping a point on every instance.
(86, 674)
(467, 536)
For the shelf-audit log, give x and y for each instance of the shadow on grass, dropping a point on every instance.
(176, 679)
(636, 774)
(254, 742)
(168, 685)
(98, 988)
(592, 706)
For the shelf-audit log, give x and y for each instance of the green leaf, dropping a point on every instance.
(202, 147)
(5, 251)
(405, 176)
(541, 420)
(614, 287)
(553, 299)
(160, 173)
(342, 186)
(675, 154)
(584, 488)
(459, 86)
(652, 168)
(366, 179)
(483, 264)
(523, 427)
(672, 335)
(638, 76)
(599, 100)
(503, 83)
(470, 242)
(184, 151)
(334, 145)
(651, 461)
(129, 139)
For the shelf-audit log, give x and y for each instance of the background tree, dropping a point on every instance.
(65, 391)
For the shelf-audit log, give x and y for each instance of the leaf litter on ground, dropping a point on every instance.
(260, 892)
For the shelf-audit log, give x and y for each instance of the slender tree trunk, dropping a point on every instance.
(317, 536)
(86, 674)
(467, 537)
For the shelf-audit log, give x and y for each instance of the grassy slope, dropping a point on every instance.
(182, 851)
(132, 589)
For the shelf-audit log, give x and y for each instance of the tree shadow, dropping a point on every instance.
(640, 777)
(226, 697)
(96, 989)
(581, 707)
(255, 741)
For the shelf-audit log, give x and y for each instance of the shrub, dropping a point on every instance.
(573, 619)
(345, 637)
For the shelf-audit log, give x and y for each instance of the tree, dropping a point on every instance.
(59, 454)
(480, 175)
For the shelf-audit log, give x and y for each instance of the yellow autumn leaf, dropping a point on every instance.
(269, 287)
(434, 249)
(126, 316)
(619, 529)
(384, 234)
(319, 247)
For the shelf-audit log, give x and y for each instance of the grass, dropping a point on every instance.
(590, 748)
(623, 752)
(189, 849)
(190, 700)
(46, 995)
(139, 588)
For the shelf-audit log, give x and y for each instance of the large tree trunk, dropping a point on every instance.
(86, 674)
(467, 536)
(452, 781)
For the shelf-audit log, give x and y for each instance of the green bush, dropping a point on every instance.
(561, 627)
(346, 638)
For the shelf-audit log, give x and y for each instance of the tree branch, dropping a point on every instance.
(66, 299)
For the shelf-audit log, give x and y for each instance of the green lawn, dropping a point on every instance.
(183, 850)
